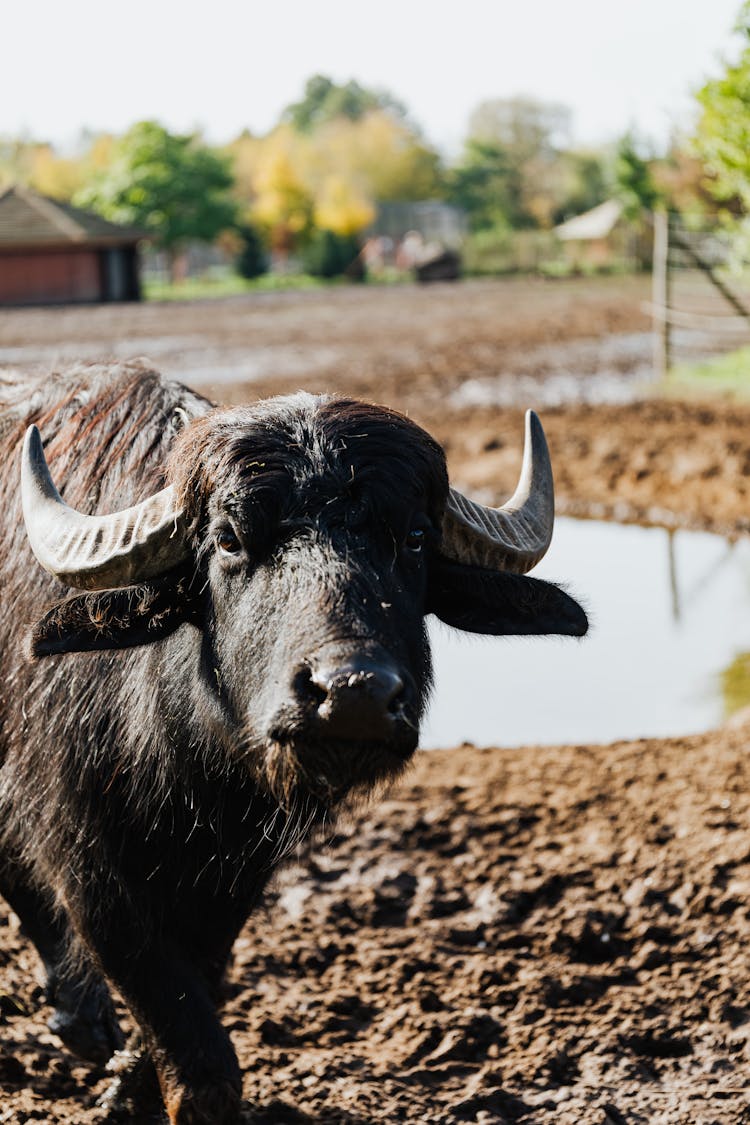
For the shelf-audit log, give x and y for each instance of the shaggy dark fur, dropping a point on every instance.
(154, 776)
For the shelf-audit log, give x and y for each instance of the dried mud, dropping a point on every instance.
(537, 935)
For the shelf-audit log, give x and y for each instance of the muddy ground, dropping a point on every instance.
(538, 935)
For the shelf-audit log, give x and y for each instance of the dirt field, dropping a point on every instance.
(539, 935)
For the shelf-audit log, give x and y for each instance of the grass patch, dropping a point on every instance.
(230, 285)
(735, 684)
(729, 372)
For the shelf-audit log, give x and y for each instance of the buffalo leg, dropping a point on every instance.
(83, 1015)
(134, 1092)
(174, 1003)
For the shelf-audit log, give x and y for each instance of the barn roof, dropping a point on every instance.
(28, 219)
(597, 223)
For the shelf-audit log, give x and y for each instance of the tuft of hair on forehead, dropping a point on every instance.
(302, 437)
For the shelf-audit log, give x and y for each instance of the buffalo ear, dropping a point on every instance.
(499, 603)
(110, 619)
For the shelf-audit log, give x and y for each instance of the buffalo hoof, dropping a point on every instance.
(134, 1094)
(220, 1105)
(85, 1020)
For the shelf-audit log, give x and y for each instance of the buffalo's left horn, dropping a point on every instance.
(97, 552)
(516, 536)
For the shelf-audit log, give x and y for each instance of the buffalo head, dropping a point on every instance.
(287, 568)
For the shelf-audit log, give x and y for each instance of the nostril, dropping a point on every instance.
(394, 693)
(379, 685)
(356, 697)
(308, 688)
(382, 686)
(396, 704)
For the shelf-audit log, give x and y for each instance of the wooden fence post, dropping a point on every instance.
(660, 295)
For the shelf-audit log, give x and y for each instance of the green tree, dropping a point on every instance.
(324, 100)
(526, 128)
(722, 137)
(586, 182)
(527, 136)
(171, 185)
(634, 180)
(487, 185)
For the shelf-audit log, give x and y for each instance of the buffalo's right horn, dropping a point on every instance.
(516, 536)
(97, 552)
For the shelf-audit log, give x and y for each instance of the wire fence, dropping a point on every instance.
(701, 293)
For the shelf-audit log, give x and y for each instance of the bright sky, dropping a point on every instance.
(225, 65)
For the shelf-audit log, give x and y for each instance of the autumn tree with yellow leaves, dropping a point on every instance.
(37, 165)
(329, 162)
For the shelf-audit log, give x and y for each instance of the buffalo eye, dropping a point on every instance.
(227, 542)
(415, 540)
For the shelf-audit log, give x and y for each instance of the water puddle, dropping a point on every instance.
(608, 369)
(73, 351)
(611, 369)
(668, 651)
(221, 366)
(179, 357)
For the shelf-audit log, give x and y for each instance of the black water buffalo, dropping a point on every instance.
(249, 652)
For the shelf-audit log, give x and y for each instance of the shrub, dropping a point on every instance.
(500, 251)
(252, 260)
(328, 254)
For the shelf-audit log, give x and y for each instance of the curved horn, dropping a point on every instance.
(516, 536)
(97, 552)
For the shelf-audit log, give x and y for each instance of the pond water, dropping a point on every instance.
(668, 651)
